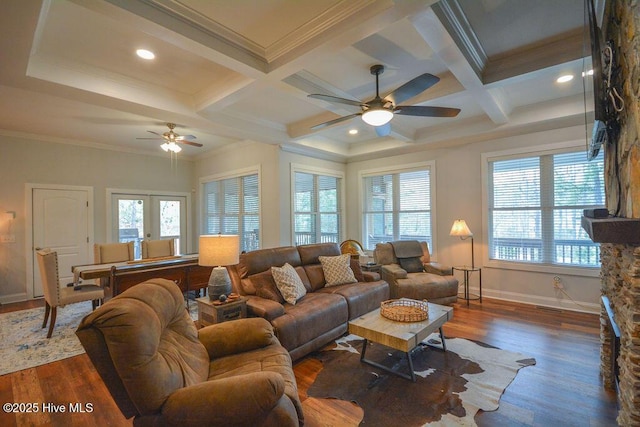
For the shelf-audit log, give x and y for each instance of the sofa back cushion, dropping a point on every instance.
(384, 254)
(260, 261)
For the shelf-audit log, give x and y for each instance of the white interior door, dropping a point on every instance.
(137, 217)
(60, 223)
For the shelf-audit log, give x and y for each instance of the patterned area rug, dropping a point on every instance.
(24, 343)
(451, 386)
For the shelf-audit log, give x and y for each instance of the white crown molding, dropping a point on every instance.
(86, 144)
(455, 21)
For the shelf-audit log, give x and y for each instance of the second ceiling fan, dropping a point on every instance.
(172, 139)
(379, 111)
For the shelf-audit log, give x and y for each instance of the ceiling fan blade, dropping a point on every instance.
(155, 139)
(383, 130)
(186, 142)
(155, 133)
(412, 88)
(425, 111)
(334, 121)
(330, 98)
(185, 137)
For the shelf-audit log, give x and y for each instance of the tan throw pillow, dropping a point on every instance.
(336, 269)
(289, 283)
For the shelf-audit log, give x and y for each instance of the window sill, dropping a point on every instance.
(544, 268)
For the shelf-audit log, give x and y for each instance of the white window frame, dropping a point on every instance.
(341, 199)
(411, 167)
(238, 173)
(541, 150)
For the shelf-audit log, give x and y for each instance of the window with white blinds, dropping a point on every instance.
(316, 208)
(397, 206)
(535, 207)
(232, 206)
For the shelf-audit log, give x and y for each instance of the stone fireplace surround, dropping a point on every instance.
(620, 236)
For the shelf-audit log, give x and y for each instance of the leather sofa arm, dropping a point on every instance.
(437, 268)
(239, 400)
(242, 335)
(393, 270)
(265, 308)
(371, 276)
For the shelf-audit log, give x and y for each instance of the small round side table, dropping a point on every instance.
(467, 270)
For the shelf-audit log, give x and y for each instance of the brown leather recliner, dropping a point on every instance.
(162, 371)
(407, 267)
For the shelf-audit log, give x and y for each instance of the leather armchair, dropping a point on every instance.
(416, 276)
(162, 371)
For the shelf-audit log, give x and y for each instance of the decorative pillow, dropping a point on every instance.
(411, 265)
(336, 269)
(289, 283)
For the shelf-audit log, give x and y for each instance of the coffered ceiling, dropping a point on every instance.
(228, 71)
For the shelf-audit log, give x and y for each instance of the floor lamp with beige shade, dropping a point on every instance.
(219, 251)
(461, 230)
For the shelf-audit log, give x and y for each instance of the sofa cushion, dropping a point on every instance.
(357, 269)
(412, 265)
(362, 297)
(314, 315)
(337, 270)
(289, 283)
(309, 253)
(426, 286)
(266, 287)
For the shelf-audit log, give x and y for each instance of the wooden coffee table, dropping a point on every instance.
(403, 336)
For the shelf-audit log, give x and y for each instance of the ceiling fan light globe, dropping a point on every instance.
(377, 116)
(165, 146)
(176, 148)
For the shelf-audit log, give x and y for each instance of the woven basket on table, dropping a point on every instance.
(404, 310)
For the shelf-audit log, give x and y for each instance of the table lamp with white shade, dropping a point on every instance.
(219, 251)
(461, 230)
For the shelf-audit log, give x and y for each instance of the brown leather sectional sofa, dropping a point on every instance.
(322, 314)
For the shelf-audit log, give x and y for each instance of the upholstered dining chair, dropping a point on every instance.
(105, 253)
(158, 248)
(56, 296)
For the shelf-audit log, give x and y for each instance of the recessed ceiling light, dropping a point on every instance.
(565, 78)
(145, 54)
(353, 131)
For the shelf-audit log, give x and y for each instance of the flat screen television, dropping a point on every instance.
(599, 134)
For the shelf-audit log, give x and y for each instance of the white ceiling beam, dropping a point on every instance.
(435, 35)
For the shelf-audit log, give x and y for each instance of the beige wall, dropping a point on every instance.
(458, 195)
(29, 161)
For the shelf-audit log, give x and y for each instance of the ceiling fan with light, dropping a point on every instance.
(379, 111)
(172, 139)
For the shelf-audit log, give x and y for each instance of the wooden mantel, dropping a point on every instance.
(612, 229)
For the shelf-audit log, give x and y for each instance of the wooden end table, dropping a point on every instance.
(403, 336)
(210, 313)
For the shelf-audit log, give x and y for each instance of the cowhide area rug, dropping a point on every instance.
(450, 388)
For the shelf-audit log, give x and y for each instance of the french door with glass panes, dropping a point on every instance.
(138, 217)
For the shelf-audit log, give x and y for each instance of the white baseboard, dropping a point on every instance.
(559, 303)
(8, 299)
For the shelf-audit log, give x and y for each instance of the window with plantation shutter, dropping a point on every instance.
(232, 206)
(316, 208)
(397, 206)
(535, 206)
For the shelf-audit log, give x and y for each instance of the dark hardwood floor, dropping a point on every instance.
(563, 388)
